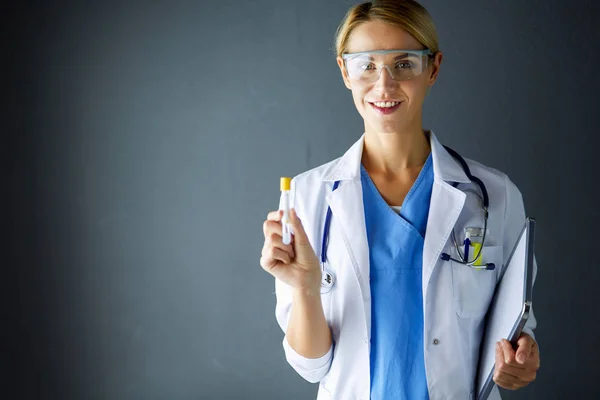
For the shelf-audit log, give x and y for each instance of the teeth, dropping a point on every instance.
(386, 104)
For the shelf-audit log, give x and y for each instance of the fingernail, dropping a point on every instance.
(521, 358)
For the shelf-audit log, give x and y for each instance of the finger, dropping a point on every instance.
(273, 236)
(508, 378)
(272, 256)
(501, 367)
(518, 375)
(506, 384)
(525, 346)
(499, 356)
(270, 227)
(274, 239)
(535, 350)
(534, 356)
(508, 351)
(275, 215)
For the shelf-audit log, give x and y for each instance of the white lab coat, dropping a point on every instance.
(455, 297)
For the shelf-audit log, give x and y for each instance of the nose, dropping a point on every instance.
(385, 78)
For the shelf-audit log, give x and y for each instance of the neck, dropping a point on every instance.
(395, 153)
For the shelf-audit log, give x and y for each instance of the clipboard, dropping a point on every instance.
(510, 306)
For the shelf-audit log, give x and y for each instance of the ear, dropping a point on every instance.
(435, 70)
(340, 62)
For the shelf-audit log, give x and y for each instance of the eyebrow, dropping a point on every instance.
(399, 57)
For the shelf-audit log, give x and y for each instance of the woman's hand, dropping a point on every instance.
(295, 264)
(515, 369)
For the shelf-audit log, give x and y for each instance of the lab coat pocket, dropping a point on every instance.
(473, 289)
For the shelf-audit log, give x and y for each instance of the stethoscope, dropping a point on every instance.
(328, 277)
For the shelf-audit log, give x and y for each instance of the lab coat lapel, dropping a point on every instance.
(445, 207)
(347, 208)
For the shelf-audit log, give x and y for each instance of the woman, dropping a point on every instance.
(397, 321)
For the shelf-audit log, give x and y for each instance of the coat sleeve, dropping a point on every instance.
(311, 369)
(514, 218)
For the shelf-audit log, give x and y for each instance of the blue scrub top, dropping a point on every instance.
(396, 258)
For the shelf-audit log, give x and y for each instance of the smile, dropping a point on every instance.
(385, 107)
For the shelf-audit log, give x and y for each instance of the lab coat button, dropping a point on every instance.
(436, 342)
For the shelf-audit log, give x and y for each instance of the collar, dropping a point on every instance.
(445, 167)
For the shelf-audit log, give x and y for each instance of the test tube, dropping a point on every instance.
(284, 204)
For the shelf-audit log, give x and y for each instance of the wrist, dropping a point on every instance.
(309, 293)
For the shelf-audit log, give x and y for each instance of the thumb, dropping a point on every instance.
(300, 237)
(525, 343)
(521, 356)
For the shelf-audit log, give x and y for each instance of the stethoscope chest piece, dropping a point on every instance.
(327, 280)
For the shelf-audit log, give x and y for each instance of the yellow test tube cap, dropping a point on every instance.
(285, 183)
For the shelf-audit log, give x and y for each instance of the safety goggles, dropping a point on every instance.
(402, 65)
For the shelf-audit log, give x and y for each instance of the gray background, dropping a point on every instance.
(142, 145)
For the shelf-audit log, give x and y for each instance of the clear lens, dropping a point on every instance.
(366, 67)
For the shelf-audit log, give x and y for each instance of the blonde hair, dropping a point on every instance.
(406, 14)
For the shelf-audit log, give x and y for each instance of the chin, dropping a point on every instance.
(388, 128)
